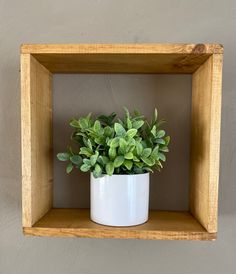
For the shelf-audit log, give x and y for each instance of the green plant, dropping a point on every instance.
(107, 145)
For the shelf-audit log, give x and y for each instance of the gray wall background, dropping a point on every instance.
(107, 21)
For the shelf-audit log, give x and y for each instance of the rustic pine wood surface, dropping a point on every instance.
(122, 58)
(36, 129)
(205, 142)
(161, 225)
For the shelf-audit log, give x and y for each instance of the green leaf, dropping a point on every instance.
(128, 164)
(161, 133)
(137, 124)
(159, 164)
(155, 151)
(129, 155)
(74, 123)
(87, 162)
(127, 115)
(144, 143)
(99, 140)
(132, 132)
(167, 140)
(148, 161)
(80, 134)
(108, 131)
(119, 160)
(155, 115)
(127, 118)
(139, 164)
(97, 171)
(69, 168)
(109, 168)
(83, 122)
(164, 149)
(89, 144)
(120, 131)
(131, 142)
(85, 168)
(97, 126)
(85, 151)
(148, 169)
(154, 130)
(88, 116)
(139, 148)
(93, 158)
(129, 123)
(161, 156)
(114, 142)
(131, 148)
(112, 153)
(105, 159)
(146, 152)
(76, 159)
(136, 159)
(160, 141)
(63, 156)
(123, 145)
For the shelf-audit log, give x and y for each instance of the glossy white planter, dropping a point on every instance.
(119, 200)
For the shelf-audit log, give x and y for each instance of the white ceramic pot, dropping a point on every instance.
(119, 200)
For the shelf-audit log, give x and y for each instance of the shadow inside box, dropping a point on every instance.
(76, 95)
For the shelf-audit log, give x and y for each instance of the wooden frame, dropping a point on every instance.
(38, 62)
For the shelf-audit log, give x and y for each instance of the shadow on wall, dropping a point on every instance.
(76, 95)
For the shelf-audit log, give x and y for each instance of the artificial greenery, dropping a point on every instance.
(107, 145)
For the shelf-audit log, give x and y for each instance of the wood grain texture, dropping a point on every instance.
(122, 48)
(205, 141)
(161, 225)
(36, 126)
(121, 63)
(122, 58)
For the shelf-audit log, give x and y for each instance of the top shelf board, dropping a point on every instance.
(121, 58)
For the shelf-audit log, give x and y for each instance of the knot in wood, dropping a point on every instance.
(199, 48)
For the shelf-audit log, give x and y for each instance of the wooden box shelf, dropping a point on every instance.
(161, 225)
(39, 62)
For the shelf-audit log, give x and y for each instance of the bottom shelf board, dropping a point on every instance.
(162, 225)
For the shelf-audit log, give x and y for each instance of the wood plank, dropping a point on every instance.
(205, 142)
(161, 225)
(121, 63)
(179, 48)
(122, 58)
(36, 120)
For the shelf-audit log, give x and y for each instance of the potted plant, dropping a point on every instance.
(119, 154)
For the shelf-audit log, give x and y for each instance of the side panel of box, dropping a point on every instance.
(36, 133)
(205, 142)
